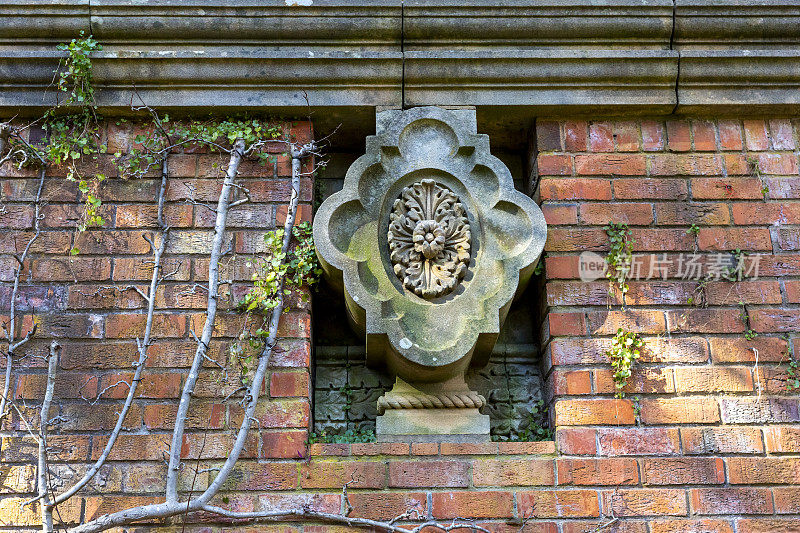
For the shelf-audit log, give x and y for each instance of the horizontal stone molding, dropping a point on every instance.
(585, 55)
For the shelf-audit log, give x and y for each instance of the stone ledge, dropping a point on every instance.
(430, 449)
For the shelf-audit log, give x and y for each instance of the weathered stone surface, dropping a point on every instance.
(430, 242)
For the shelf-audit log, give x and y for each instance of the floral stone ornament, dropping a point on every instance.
(430, 243)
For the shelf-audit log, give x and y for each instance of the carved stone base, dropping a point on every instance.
(432, 425)
(432, 412)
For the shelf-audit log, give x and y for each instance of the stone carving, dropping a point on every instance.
(429, 239)
(393, 400)
(462, 244)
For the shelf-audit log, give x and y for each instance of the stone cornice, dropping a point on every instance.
(582, 55)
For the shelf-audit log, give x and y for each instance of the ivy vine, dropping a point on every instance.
(619, 257)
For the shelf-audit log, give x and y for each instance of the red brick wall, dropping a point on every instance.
(83, 303)
(705, 440)
(704, 433)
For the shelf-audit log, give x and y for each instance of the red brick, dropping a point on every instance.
(627, 136)
(610, 165)
(639, 320)
(787, 500)
(548, 135)
(782, 439)
(789, 239)
(111, 242)
(734, 500)
(713, 379)
(593, 412)
(567, 503)
(690, 526)
(576, 239)
(554, 164)
(638, 441)
(760, 525)
(481, 504)
(601, 138)
(468, 448)
(262, 476)
(284, 444)
(545, 447)
(576, 441)
(652, 136)
(130, 325)
(792, 291)
(774, 320)
(650, 189)
(738, 165)
(574, 189)
(683, 471)
(759, 411)
(566, 323)
(781, 134)
(748, 292)
(704, 136)
(288, 384)
(575, 136)
(607, 471)
(726, 189)
(661, 239)
(561, 267)
(679, 136)
(643, 380)
(730, 134)
(571, 382)
(335, 474)
(512, 472)
(321, 502)
(777, 163)
(639, 214)
(560, 293)
(380, 448)
(766, 213)
(686, 214)
(685, 165)
(644, 502)
(734, 238)
(145, 216)
(387, 505)
(685, 410)
(659, 292)
(755, 133)
(559, 214)
(409, 474)
(735, 350)
(424, 448)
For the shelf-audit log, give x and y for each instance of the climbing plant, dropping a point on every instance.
(625, 350)
(619, 257)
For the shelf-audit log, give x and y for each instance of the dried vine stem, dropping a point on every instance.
(47, 504)
(12, 322)
(142, 345)
(223, 204)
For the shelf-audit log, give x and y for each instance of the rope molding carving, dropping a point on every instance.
(443, 400)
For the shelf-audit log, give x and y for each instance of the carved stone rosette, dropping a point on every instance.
(429, 239)
(430, 242)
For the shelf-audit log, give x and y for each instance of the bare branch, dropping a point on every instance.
(14, 291)
(208, 327)
(47, 505)
(140, 363)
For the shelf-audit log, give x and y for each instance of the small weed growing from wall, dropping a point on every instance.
(624, 351)
(619, 258)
